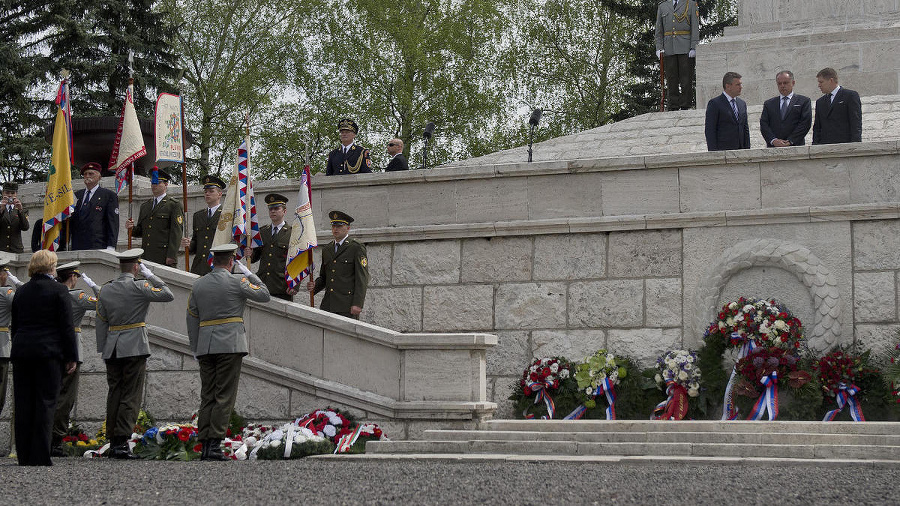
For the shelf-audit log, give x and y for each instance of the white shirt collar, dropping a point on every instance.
(342, 240)
(728, 97)
(789, 96)
(212, 210)
(834, 91)
(159, 199)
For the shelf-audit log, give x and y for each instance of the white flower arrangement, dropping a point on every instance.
(679, 366)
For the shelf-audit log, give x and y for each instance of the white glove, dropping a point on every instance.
(243, 268)
(87, 280)
(692, 53)
(145, 270)
(13, 279)
(659, 52)
(111, 248)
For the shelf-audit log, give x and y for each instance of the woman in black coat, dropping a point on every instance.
(43, 349)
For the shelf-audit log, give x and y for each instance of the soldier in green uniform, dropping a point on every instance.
(7, 282)
(349, 158)
(215, 326)
(344, 274)
(204, 225)
(122, 339)
(13, 219)
(68, 275)
(272, 256)
(160, 224)
(677, 36)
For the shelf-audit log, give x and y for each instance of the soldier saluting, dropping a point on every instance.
(204, 225)
(160, 223)
(344, 274)
(122, 339)
(349, 158)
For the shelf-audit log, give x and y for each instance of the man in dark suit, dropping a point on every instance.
(204, 225)
(838, 112)
(349, 158)
(726, 117)
(785, 119)
(13, 219)
(160, 223)
(398, 161)
(95, 222)
(272, 256)
(344, 273)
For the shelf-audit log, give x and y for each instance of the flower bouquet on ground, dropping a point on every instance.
(847, 380)
(169, 442)
(597, 378)
(679, 375)
(547, 387)
(772, 380)
(75, 443)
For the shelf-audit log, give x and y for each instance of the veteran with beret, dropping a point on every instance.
(344, 273)
(348, 158)
(8, 285)
(122, 340)
(13, 219)
(203, 225)
(68, 274)
(272, 256)
(218, 339)
(95, 222)
(160, 223)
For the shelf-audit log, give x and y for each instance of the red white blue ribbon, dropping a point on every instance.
(540, 388)
(675, 406)
(846, 396)
(729, 410)
(606, 387)
(768, 401)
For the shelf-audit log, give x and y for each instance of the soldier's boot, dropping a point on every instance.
(119, 449)
(205, 449)
(214, 450)
(56, 449)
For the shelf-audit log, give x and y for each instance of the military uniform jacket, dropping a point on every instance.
(95, 224)
(6, 297)
(203, 230)
(81, 304)
(216, 308)
(355, 161)
(161, 229)
(124, 302)
(677, 32)
(272, 257)
(12, 224)
(344, 276)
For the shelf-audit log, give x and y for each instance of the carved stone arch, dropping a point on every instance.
(796, 259)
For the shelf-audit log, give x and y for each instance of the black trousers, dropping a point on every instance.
(125, 378)
(679, 81)
(35, 389)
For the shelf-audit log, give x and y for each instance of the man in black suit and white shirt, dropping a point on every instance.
(95, 221)
(398, 161)
(838, 112)
(785, 119)
(726, 117)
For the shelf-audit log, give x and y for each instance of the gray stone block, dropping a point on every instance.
(640, 192)
(398, 309)
(452, 308)
(499, 259)
(510, 355)
(663, 300)
(259, 399)
(530, 305)
(503, 387)
(875, 296)
(286, 343)
(574, 345)
(434, 375)
(876, 244)
(880, 338)
(172, 395)
(719, 188)
(616, 303)
(805, 182)
(366, 365)
(91, 403)
(379, 257)
(643, 345)
(569, 257)
(163, 359)
(644, 253)
(426, 262)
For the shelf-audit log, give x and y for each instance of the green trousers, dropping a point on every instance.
(219, 375)
(125, 377)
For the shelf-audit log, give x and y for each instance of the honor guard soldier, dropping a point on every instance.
(95, 222)
(122, 339)
(68, 275)
(344, 274)
(272, 256)
(13, 219)
(215, 326)
(349, 158)
(203, 226)
(677, 36)
(160, 224)
(7, 282)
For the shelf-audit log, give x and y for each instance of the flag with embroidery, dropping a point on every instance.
(303, 235)
(59, 199)
(129, 145)
(238, 223)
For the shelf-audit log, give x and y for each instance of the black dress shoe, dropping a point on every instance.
(122, 452)
(214, 450)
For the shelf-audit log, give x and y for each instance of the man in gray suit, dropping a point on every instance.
(216, 332)
(122, 339)
(677, 36)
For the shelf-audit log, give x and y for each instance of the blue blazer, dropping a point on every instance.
(840, 120)
(723, 131)
(795, 125)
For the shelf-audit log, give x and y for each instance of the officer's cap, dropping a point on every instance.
(163, 176)
(10, 186)
(4, 264)
(211, 181)
(348, 124)
(340, 218)
(91, 166)
(224, 249)
(275, 200)
(130, 256)
(63, 271)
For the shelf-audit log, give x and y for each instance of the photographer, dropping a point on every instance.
(13, 219)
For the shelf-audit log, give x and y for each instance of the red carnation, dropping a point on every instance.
(198, 448)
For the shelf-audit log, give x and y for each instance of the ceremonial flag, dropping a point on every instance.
(129, 144)
(169, 137)
(59, 199)
(303, 236)
(238, 223)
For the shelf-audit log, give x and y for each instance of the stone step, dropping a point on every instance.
(756, 438)
(783, 427)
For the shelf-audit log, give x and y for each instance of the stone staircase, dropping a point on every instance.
(698, 440)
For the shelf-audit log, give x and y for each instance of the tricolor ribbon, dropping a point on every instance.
(846, 395)
(347, 440)
(729, 410)
(540, 389)
(606, 387)
(676, 406)
(768, 401)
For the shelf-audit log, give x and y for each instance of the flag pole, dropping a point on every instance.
(130, 197)
(187, 249)
(249, 183)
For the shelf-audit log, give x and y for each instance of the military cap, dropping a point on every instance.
(128, 256)
(163, 175)
(91, 166)
(4, 264)
(340, 218)
(10, 186)
(63, 271)
(211, 181)
(274, 199)
(223, 249)
(348, 124)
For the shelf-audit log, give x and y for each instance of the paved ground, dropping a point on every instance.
(338, 481)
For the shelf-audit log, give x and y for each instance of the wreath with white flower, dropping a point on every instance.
(547, 387)
(597, 377)
(679, 376)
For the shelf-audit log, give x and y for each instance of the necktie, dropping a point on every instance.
(9, 209)
(209, 213)
(675, 6)
(87, 197)
(155, 202)
(734, 109)
(336, 246)
(784, 104)
(274, 232)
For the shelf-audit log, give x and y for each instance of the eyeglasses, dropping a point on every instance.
(391, 144)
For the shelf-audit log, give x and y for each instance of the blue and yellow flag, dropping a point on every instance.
(303, 236)
(59, 199)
